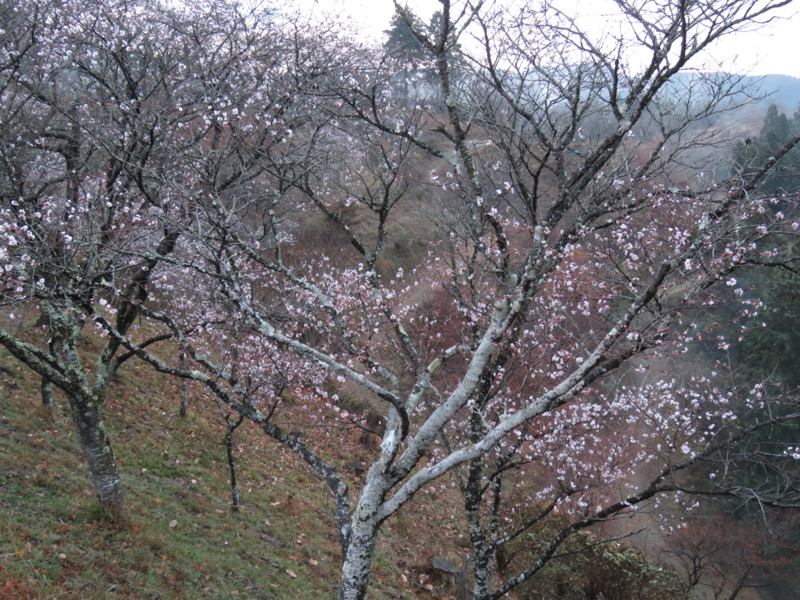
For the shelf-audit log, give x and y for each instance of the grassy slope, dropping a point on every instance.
(180, 539)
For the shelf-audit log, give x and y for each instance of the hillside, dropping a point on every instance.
(179, 538)
(782, 90)
(474, 311)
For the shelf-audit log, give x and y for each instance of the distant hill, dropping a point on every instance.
(783, 90)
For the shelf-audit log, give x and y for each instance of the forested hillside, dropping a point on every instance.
(503, 307)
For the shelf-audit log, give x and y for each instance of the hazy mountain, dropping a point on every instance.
(783, 90)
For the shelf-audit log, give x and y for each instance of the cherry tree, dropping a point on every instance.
(116, 118)
(725, 558)
(82, 125)
(572, 244)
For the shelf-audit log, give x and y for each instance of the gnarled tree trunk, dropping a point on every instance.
(364, 525)
(96, 448)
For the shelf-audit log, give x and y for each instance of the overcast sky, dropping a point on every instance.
(774, 49)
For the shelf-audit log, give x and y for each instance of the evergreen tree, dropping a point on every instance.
(771, 346)
(401, 43)
(750, 155)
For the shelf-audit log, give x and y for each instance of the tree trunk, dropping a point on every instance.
(482, 570)
(47, 394)
(483, 537)
(483, 547)
(46, 385)
(232, 425)
(364, 525)
(358, 563)
(96, 447)
(184, 408)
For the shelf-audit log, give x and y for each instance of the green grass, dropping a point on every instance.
(178, 537)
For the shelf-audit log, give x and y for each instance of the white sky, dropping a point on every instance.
(774, 49)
